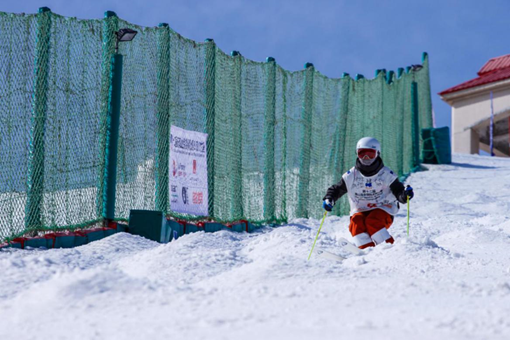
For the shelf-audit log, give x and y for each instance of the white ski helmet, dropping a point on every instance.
(369, 143)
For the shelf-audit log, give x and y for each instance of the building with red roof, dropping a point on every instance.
(471, 109)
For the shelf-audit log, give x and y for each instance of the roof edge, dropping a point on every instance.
(488, 78)
(480, 72)
(451, 96)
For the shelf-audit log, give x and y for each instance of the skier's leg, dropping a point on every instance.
(377, 223)
(358, 231)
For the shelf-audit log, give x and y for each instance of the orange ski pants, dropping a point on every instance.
(369, 222)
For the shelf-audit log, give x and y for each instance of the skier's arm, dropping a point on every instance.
(398, 189)
(336, 191)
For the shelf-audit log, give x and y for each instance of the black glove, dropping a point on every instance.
(409, 192)
(328, 204)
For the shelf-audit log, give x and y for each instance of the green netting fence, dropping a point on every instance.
(277, 139)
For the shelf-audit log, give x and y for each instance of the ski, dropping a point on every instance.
(348, 246)
(343, 244)
(330, 256)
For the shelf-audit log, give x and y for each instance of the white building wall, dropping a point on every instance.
(470, 110)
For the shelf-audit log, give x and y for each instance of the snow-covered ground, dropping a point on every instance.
(449, 280)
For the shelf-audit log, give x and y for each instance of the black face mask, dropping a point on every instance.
(372, 169)
(367, 161)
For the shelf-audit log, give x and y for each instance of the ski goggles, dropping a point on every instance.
(367, 153)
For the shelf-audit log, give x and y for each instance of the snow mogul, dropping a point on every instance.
(374, 193)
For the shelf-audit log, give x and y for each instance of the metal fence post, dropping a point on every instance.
(426, 117)
(339, 160)
(400, 70)
(210, 116)
(306, 116)
(110, 25)
(35, 176)
(284, 208)
(269, 140)
(415, 124)
(112, 138)
(237, 211)
(163, 118)
(390, 77)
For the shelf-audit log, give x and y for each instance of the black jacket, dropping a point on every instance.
(338, 190)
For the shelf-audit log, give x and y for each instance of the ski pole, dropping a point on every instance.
(407, 216)
(323, 218)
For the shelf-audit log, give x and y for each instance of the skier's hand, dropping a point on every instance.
(328, 204)
(409, 192)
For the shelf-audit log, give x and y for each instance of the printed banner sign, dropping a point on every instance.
(188, 172)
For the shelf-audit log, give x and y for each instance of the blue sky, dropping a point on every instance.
(354, 36)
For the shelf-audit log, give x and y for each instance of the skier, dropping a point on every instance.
(373, 191)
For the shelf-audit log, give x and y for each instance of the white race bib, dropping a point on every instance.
(368, 193)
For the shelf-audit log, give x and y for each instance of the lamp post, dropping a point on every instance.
(113, 122)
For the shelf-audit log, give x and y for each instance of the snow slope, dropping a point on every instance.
(449, 280)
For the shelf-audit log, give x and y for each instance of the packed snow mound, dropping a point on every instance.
(449, 279)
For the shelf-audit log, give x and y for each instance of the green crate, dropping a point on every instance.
(149, 224)
(38, 242)
(65, 240)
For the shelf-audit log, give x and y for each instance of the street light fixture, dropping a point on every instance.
(124, 34)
